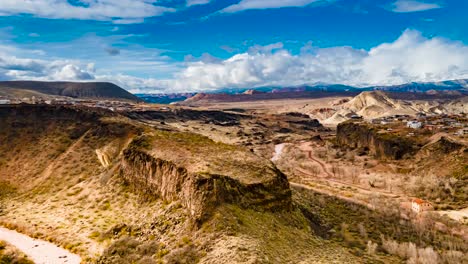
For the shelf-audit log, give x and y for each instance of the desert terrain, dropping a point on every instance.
(241, 182)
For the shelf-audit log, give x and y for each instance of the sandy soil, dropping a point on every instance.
(41, 252)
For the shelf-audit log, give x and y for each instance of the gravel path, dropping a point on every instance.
(39, 251)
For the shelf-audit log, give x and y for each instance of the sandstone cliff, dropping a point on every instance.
(203, 174)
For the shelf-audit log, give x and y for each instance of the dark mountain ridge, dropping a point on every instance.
(88, 90)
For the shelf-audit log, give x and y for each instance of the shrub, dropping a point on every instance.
(412, 253)
(185, 255)
(130, 250)
(9, 255)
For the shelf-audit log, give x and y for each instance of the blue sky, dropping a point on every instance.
(202, 45)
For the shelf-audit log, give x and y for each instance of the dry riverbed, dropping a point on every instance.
(39, 251)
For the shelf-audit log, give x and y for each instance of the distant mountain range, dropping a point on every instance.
(413, 89)
(82, 90)
(105, 90)
(408, 87)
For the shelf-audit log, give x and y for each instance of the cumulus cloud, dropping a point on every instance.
(406, 6)
(412, 57)
(122, 11)
(265, 4)
(71, 72)
(14, 68)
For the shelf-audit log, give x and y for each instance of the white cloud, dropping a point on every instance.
(411, 57)
(406, 6)
(13, 67)
(71, 72)
(122, 11)
(265, 4)
(197, 2)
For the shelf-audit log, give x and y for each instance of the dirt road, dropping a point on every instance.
(41, 252)
(322, 165)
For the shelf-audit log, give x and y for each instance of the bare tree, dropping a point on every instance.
(315, 171)
(371, 247)
(335, 170)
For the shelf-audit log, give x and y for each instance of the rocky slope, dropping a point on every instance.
(375, 104)
(115, 190)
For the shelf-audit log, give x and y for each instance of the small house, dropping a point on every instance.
(419, 205)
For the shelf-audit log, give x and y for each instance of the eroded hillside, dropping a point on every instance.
(115, 190)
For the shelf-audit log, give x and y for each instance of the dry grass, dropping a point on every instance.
(200, 154)
(11, 255)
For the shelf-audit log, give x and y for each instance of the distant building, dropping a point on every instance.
(414, 124)
(418, 206)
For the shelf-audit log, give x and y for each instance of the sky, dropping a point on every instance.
(166, 46)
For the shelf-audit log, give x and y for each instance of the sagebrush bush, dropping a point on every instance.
(184, 255)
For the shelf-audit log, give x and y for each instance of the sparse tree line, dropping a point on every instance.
(376, 232)
(417, 255)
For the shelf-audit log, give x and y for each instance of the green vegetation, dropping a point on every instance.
(130, 250)
(142, 142)
(192, 141)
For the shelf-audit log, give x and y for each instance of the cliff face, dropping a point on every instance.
(201, 191)
(384, 146)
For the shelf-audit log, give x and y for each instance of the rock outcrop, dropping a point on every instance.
(382, 145)
(195, 179)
